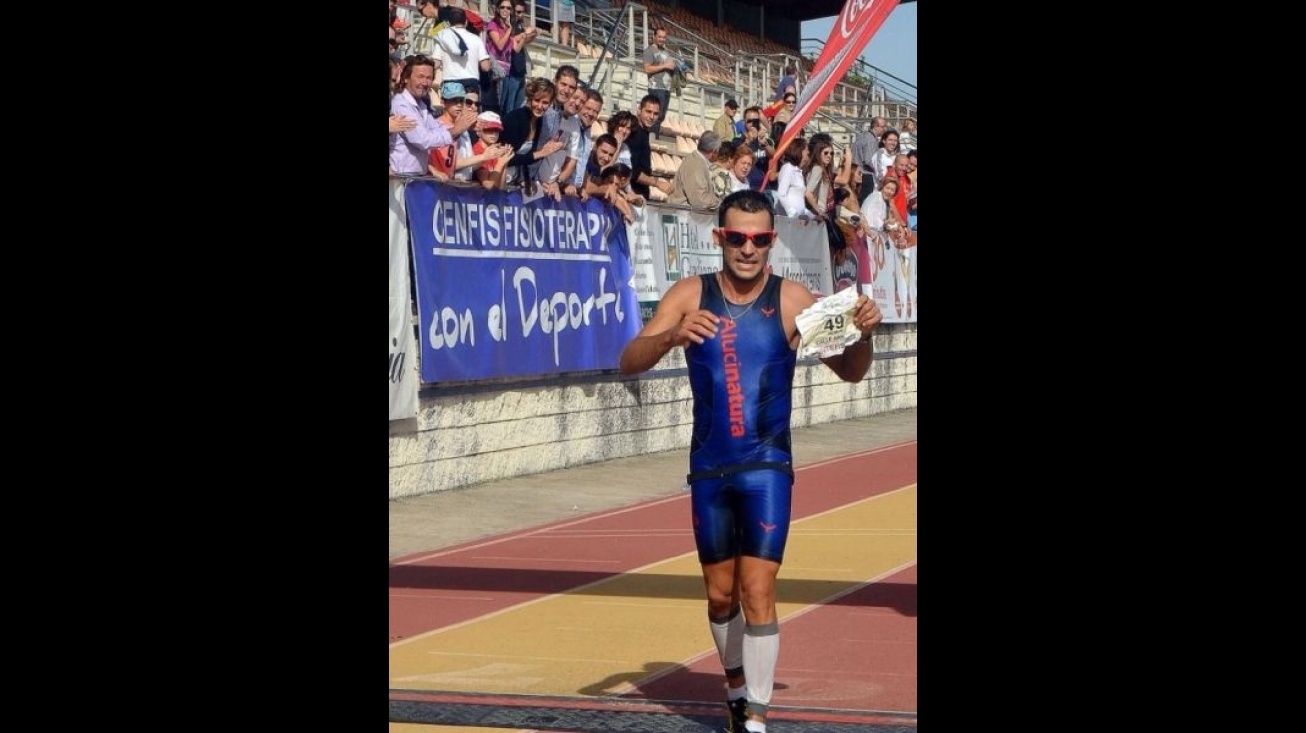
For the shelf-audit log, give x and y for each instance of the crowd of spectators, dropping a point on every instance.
(463, 108)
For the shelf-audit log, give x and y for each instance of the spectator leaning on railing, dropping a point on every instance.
(600, 159)
(410, 150)
(565, 81)
(443, 159)
(641, 154)
(552, 172)
(620, 125)
(521, 129)
(490, 172)
(574, 171)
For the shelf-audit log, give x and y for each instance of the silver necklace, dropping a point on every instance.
(751, 303)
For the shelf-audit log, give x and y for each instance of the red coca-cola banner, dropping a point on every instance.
(853, 29)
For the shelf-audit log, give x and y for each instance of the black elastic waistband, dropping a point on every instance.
(729, 470)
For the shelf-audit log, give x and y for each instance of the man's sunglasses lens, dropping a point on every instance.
(737, 239)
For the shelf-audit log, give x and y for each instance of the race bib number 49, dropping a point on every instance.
(826, 327)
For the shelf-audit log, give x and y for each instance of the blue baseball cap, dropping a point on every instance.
(452, 90)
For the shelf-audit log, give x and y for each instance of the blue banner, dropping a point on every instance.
(506, 289)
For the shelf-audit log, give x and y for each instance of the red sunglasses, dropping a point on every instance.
(737, 239)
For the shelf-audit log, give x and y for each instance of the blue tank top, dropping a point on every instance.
(742, 382)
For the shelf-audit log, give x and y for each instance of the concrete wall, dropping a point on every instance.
(464, 435)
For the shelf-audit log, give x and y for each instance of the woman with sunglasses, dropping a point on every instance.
(819, 180)
(739, 330)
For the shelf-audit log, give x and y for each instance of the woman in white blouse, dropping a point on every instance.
(791, 188)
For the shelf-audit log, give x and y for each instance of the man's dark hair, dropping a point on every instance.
(649, 98)
(747, 201)
(614, 170)
(593, 94)
(457, 16)
(567, 70)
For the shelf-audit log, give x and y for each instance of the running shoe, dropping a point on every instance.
(738, 715)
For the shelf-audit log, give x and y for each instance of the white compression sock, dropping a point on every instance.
(761, 650)
(728, 633)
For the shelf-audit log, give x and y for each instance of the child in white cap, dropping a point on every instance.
(491, 157)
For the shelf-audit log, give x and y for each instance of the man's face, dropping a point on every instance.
(746, 262)
(901, 165)
(473, 100)
(648, 113)
(419, 82)
(573, 104)
(604, 153)
(752, 124)
(566, 85)
(877, 126)
(660, 38)
(730, 112)
(589, 111)
(429, 10)
(453, 107)
(490, 135)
